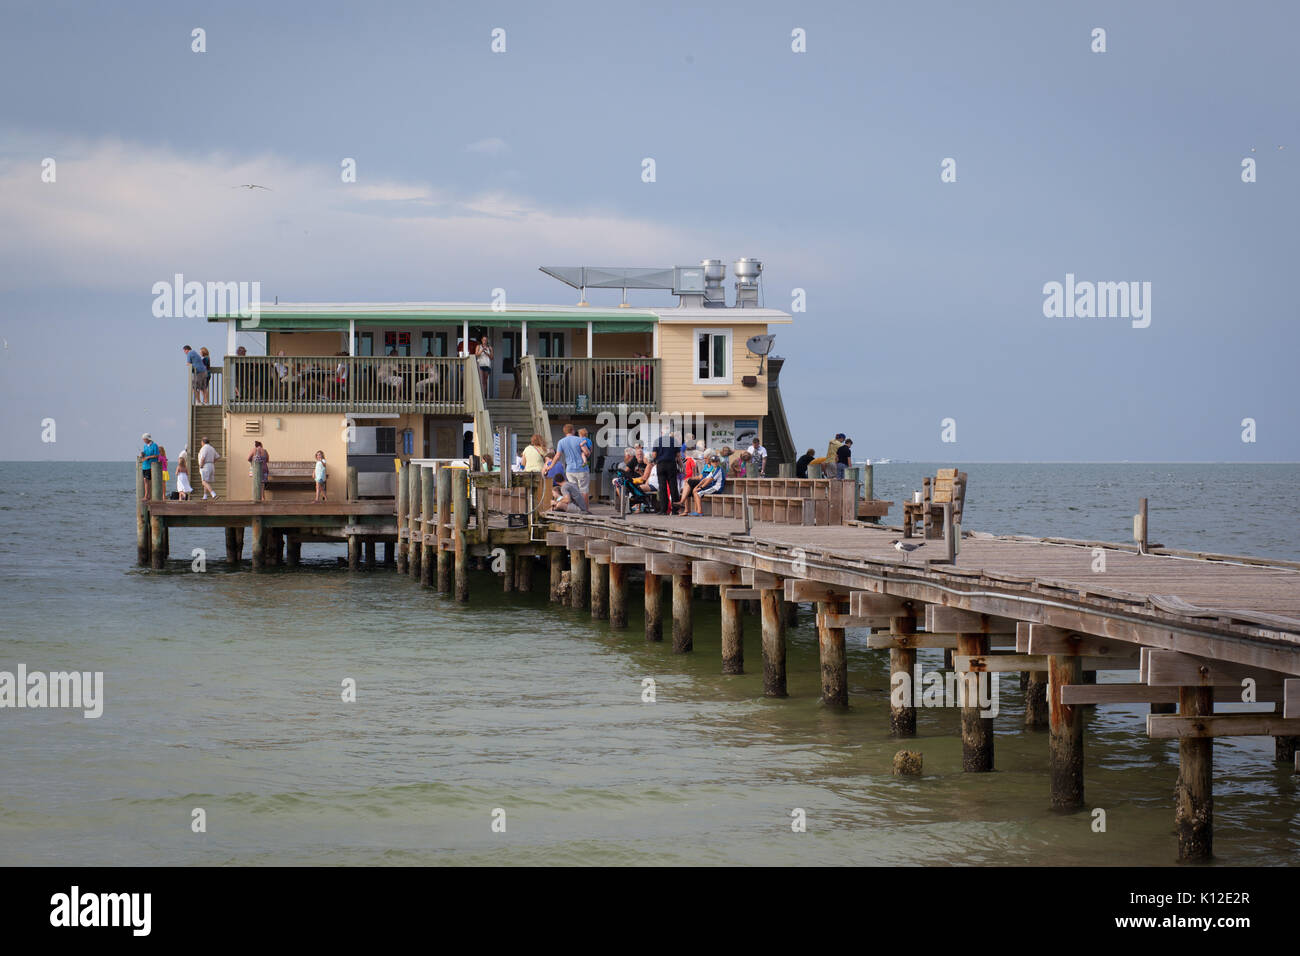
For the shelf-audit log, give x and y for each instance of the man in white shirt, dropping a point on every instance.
(757, 460)
(207, 468)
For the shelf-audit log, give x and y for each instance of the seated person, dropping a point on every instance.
(714, 480)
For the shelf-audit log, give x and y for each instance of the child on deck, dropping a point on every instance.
(320, 476)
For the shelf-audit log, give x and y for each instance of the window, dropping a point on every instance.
(397, 343)
(550, 344)
(713, 356)
(365, 343)
(433, 343)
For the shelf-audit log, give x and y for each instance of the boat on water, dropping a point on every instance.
(371, 383)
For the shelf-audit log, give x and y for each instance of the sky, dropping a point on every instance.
(924, 298)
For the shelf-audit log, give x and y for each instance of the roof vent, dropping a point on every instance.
(747, 272)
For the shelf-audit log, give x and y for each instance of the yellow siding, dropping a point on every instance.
(298, 438)
(680, 392)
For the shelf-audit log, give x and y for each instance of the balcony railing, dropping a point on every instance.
(269, 383)
(567, 384)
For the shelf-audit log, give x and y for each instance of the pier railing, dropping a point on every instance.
(574, 385)
(344, 383)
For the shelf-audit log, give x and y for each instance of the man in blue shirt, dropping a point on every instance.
(199, 373)
(573, 450)
(148, 455)
(667, 454)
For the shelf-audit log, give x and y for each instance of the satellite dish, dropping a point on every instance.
(760, 345)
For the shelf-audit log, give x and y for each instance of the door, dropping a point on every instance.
(509, 356)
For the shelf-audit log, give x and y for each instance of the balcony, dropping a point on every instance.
(376, 385)
(577, 385)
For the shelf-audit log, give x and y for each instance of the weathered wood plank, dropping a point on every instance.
(1165, 727)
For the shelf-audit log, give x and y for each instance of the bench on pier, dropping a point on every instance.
(947, 487)
(801, 501)
(285, 475)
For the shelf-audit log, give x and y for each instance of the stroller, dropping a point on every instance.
(639, 498)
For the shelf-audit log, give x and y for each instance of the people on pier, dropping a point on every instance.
(801, 466)
(574, 452)
(198, 374)
(843, 457)
(162, 463)
(183, 486)
(319, 475)
(667, 455)
(483, 355)
(260, 459)
(207, 468)
(534, 454)
(712, 481)
(757, 458)
(572, 499)
(148, 457)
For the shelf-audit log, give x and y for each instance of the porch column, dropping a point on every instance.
(352, 337)
(589, 328)
(523, 338)
(465, 336)
(232, 327)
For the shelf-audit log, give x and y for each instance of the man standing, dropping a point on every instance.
(667, 454)
(801, 466)
(843, 457)
(757, 459)
(574, 451)
(199, 374)
(207, 468)
(148, 455)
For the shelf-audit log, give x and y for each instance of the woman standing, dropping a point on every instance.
(484, 352)
(534, 454)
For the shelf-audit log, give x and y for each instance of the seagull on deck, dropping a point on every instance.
(905, 547)
(252, 186)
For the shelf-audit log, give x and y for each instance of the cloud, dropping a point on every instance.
(491, 146)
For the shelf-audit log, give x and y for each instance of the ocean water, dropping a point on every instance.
(223, 693)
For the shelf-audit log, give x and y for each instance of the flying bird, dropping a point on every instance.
(252, 186)
(905, 547)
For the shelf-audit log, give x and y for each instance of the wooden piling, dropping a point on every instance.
(412, 523)
(524, 578)
(234, 547)
(654, 614)
(976, 730)
(258, 550)
(370, 553)
(618, 595)
(350, 491)
(577, 579)
(508, 571)
(354, 552)
(1284, 749)
(599, 589)
(390, 553)
(157, 527)
(403, 482)
(293, 552)
(773, 644)
(733, 635)
(1036, 699)
(1066, 743)
(141, 519)
(555, 558)
(427, 526)
(1194, 794)
(789, 611)
(683, 627)
(442, 493)
(834, 662)
(902, 660)
(460, 542)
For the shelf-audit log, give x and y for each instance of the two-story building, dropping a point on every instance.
(369, 382)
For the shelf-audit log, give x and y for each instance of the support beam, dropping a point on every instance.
(443, 556)
(940, 618)
(733, 635)
(460, 531)
(412, 526)
(802, 589)
(599, 571)
(834, 661)
(773, 644)
(976, 729)
(1053, 640)
(578, 586)
(1219, 725)
(683, 626)
(555, 557)
(715, 573)
(654, 617)
(427, 526)
(1194, 794)
(1065, 747)
(617, 594)
(902, 670)
(658, 562)
(625, 555)
(869, 604)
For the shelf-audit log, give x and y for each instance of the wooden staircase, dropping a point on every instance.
(205, 420)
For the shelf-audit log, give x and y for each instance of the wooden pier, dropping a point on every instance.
(1193, 629)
